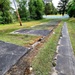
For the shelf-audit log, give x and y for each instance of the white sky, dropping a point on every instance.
(55, 2)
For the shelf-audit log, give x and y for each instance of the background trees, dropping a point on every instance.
(62, 6)
(71, 8)
(32, 9)
(5, 12)
(47, 9)
(50, 9)
(39, 4)
(23, 10)
(36, 9)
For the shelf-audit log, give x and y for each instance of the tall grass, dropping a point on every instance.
(71, 29)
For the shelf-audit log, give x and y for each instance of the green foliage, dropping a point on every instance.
(32, 9)
(71, 8)
(62, 6)
(36, 9)
(39, 9)
(5, 14)
(47, 9)
(71, 29)
(1, 17)
(50, 9)
(22, 10)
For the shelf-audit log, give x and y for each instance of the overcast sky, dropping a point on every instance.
(55, 2)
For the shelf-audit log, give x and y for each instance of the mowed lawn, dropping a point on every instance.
(71, 28)
(22, 40)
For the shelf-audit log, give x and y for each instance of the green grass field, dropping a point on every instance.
(22, 40)
(42, 63)
(71, 28)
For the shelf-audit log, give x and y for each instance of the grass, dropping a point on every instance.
(71, 28)
(42, 63)
(24, 24)
(22, 40)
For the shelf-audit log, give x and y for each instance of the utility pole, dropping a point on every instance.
(17, 13)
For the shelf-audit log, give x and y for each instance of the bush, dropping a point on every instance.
(71, 8)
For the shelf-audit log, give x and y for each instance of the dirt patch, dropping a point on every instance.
(31, 43)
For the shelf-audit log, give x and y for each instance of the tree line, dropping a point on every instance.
(33, 10)
(67, 6)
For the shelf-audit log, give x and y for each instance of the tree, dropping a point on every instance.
(1, 18)
(71, 8)
(5, 14)
(36, 9)
(47, 9)
(39, 9)
(17, 13)
(22, 10)
(32, 9)
(62, 6)
(50, 9)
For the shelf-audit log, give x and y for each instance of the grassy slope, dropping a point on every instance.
(71, 28)
(43, 61)
(18, 39)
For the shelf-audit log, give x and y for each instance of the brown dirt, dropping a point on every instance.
(35, 40)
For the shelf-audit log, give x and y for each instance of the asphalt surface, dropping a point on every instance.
(9, 55)
(40, 30)
(34, 32)
(65, 58)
